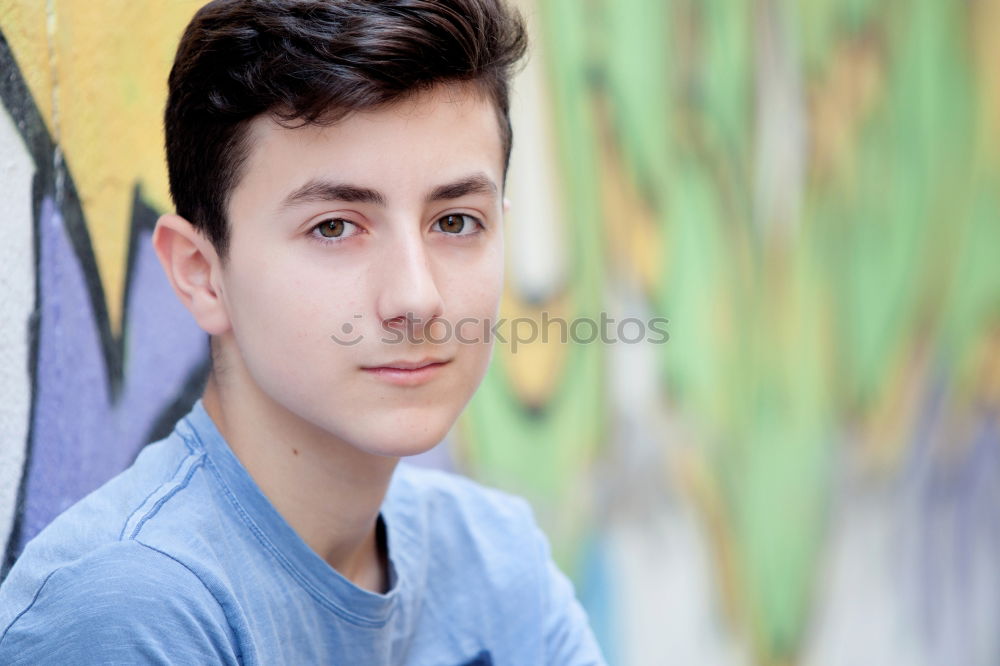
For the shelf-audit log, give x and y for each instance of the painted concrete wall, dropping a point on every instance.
(808, 472)
(97, 357)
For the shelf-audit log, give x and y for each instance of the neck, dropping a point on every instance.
(328, 491)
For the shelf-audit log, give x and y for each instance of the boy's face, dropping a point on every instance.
(346, 242)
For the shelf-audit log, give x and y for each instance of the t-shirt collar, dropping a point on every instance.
(272, 531)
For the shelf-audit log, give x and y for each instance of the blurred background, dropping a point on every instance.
(806, 472)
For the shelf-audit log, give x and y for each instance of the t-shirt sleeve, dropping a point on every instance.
(569, 640)
(123, 604)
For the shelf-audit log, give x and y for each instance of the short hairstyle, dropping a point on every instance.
(314, 62)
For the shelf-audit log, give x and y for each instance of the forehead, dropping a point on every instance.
(404, 148)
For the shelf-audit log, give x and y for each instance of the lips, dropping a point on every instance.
(408, 365)
(407, 373)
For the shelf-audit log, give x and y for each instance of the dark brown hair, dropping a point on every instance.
(315, 61)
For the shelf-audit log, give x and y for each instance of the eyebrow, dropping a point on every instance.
(477, 183)
(324, 190)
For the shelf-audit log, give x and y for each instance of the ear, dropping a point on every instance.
(506, 205)
(194, 270)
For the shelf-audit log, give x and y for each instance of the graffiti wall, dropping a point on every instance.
(806, 470)
(97, 357)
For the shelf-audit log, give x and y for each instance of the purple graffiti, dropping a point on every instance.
(80, 437)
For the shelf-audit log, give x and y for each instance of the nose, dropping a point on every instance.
(408, 295)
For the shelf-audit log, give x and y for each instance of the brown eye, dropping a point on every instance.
(331, 228)
(453, 224)
(456, 224)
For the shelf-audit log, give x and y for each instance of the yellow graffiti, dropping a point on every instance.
(97, 72)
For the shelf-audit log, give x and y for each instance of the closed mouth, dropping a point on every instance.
(407, 365)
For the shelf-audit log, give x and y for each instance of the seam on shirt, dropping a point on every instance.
(121, 535)
(195, 463)
(244, 630)
(190, 438)
(158, 488)
(292, 571)
(38, 592)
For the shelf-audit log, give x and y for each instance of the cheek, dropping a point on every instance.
(474, 288)
(473, 304)
(288, 306)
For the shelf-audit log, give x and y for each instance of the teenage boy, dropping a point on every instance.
(337, 168)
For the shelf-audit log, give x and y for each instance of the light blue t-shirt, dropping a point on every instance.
(181, 559)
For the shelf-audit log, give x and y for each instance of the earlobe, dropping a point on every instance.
(192, 266)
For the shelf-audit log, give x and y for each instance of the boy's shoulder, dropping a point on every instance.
(85, 588)
(90, 549)
(487, 540)
(449, 490)
(459, 512)
(109, 604)
(469, 536)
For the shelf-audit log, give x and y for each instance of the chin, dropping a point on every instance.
(396, 447)
(402, 437)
